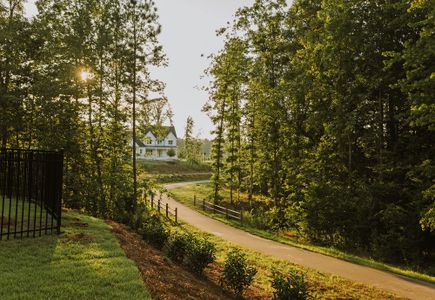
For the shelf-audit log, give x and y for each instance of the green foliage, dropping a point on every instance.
(154, 231)
(259, 218)
(237, 274)
(291, 286)
(177, 246)
(331, 117)
(171, 152)
(137, 219)
(200, 253)
(45, 104)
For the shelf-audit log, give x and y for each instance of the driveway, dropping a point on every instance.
(397, 284)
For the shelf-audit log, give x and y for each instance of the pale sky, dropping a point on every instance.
(188, 31)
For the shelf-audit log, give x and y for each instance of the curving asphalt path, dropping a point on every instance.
(397, 284)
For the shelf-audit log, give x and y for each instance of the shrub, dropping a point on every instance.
(176, 246)
(171, 152)
(155, 232)
(237, 275)
(293, 286)
(258, 218)
(199, 254)
(138, 218)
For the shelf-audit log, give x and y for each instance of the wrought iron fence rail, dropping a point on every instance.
(30, 192)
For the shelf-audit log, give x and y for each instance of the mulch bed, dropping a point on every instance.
(167, 280)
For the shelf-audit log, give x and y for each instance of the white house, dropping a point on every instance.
(158, 144)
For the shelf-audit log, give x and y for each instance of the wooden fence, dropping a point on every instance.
(223, 210)
(163, 208)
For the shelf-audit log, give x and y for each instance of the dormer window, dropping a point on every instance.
(170, 142)
(148, 141)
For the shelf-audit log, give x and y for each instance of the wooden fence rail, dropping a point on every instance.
(223, 210)
(159, 206)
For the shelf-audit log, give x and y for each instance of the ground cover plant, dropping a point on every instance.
(237, 274)
(289, 286)
(84, 262)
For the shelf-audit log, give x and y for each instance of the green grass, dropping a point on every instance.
(172, 167)
(24, 216)
(321, 285)
(84, 262)
(185, 195)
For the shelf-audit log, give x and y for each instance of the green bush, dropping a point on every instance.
(155, 232)
(171, 152)
(199, 254)
(176, 246)
(293, 286)
(259, 218)
(237, 274)
(137, 220)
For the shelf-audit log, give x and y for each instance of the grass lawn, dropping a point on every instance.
(24, 216)
(172, 167)
(84, 262)
(185, 195)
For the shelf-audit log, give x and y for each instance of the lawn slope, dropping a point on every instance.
(84, 262)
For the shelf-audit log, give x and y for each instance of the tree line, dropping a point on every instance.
(74, 77)
(326, 107)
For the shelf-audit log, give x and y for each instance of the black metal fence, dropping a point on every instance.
(30, 192)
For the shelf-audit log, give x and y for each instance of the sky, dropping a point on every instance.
(188, 31)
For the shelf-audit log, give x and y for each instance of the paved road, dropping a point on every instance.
(397, 284)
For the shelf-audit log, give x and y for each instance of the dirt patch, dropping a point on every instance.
(78, 224)
(167, 280)
(80, 238)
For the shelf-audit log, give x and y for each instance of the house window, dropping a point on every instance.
(148, 141)
(170, 142)
(159, 142)
(141, 151)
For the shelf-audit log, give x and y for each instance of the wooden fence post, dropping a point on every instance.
(176, 215)
(158, 206)
(194, 200)
(152, 199)
(203, 204)
(226, 210)
(167, 207)
(241, 215)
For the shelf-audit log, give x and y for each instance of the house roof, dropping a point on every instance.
(165, 130)
(139, 143)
